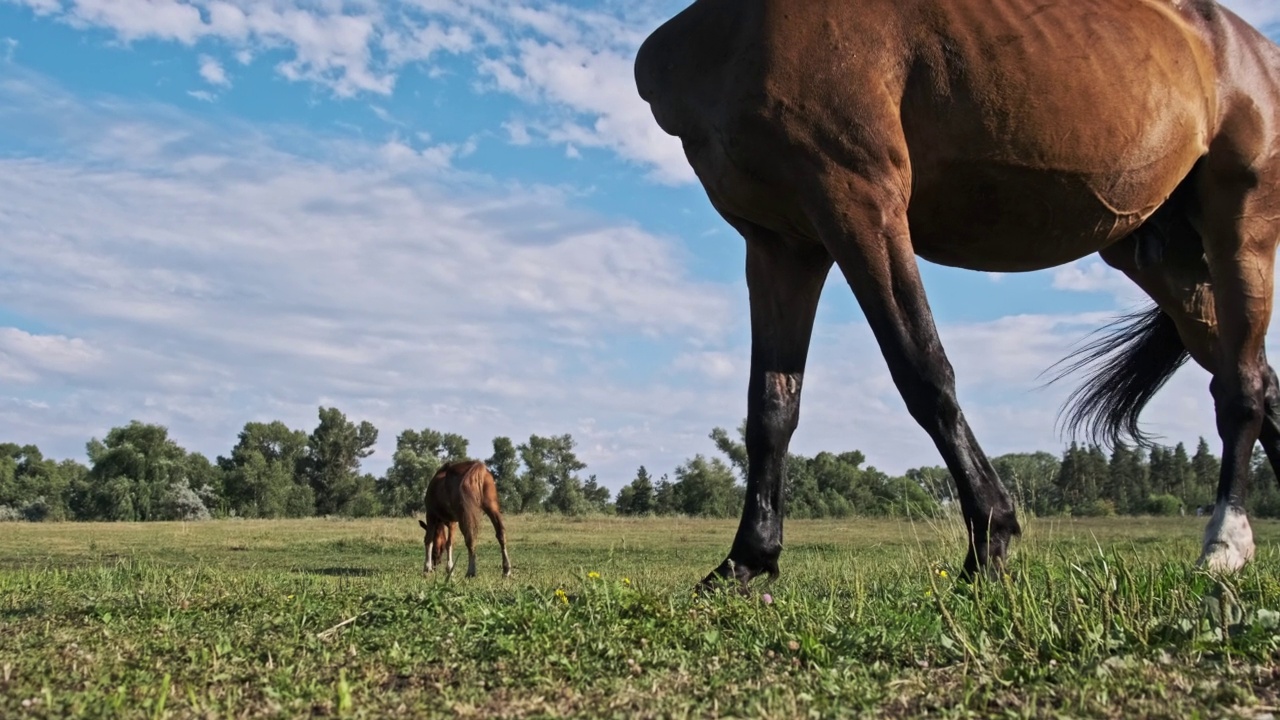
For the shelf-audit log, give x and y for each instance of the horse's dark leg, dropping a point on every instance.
(1242, 227)
(863, 221)
(1176, 283)
(1269, 436)
(784, 280)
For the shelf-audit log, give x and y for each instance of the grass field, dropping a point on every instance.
(1101, 618)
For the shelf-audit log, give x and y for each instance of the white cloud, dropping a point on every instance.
(26, 357)
(578, 74)
(715, 365)
(574, 65)
(1262, 14)
(1092, 275)
(595, 83)
(212, 72)
(220, 279)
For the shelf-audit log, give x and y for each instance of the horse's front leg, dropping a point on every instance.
(784, 280)
(862, 218)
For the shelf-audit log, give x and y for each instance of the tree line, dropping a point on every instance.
(138, 473)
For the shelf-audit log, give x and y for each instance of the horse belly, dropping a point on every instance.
(1041, 134)
(1002, 218)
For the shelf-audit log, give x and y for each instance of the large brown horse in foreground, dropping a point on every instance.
(999, 135)
(457, 494)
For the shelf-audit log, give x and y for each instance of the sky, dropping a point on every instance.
(446, 214)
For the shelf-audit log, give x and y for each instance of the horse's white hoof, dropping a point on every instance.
(1228, 541)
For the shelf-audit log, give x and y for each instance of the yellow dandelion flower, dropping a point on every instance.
(942, 573)
(928, 593)
(593, 575)
(626, 581)
(561, 596)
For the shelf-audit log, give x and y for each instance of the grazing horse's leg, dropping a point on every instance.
(784, 281)
(490, 507)
(1241, 201)
(467, 524)
(428, 541)
(449, 544)
(862, 219)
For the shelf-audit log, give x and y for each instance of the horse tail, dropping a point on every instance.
(1130, 359)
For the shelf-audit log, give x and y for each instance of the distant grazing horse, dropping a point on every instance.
(998, 135)
(458, 493)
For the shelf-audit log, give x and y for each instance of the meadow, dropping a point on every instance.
(1097, 618)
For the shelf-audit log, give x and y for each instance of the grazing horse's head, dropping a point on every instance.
(435, 535)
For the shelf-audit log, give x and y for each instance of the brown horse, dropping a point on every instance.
(457, 494)
(998, 135)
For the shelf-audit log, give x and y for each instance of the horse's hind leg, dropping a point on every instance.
(784, 281)
(490, 507)
(1241, 204)
(1179, 284)
(467, 524)
(862, 219)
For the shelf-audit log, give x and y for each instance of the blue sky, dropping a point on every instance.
(453, 214)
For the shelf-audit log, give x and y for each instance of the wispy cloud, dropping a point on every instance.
(221, 278)
(573, 65)
(213, 72)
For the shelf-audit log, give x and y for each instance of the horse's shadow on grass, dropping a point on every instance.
(340, 571)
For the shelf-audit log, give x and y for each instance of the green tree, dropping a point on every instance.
(134, 472)
(636, 497)
(418, 455)
(551, 472)
(505, 466)
(1031, 479)
(664, 497)
(1263, 499)
(1205, 471)
(1182, 476)
(34, 486)
(596, 496)
(735, 451)
(262, 478)
(706, 488)
(331, 464)
(1127, 480)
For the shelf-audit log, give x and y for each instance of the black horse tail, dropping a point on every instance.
(1129, 360)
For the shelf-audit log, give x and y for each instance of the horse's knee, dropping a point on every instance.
(777, 411)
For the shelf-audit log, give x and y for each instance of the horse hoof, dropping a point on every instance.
(737, 576)
(1228, 541)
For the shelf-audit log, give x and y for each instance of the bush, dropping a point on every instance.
(1095, 508)
(182, 503)
(363, 505)
(1164, 505)
(37, 510)
(10, 514)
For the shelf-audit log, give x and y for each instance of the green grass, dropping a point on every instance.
(1102, 618)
